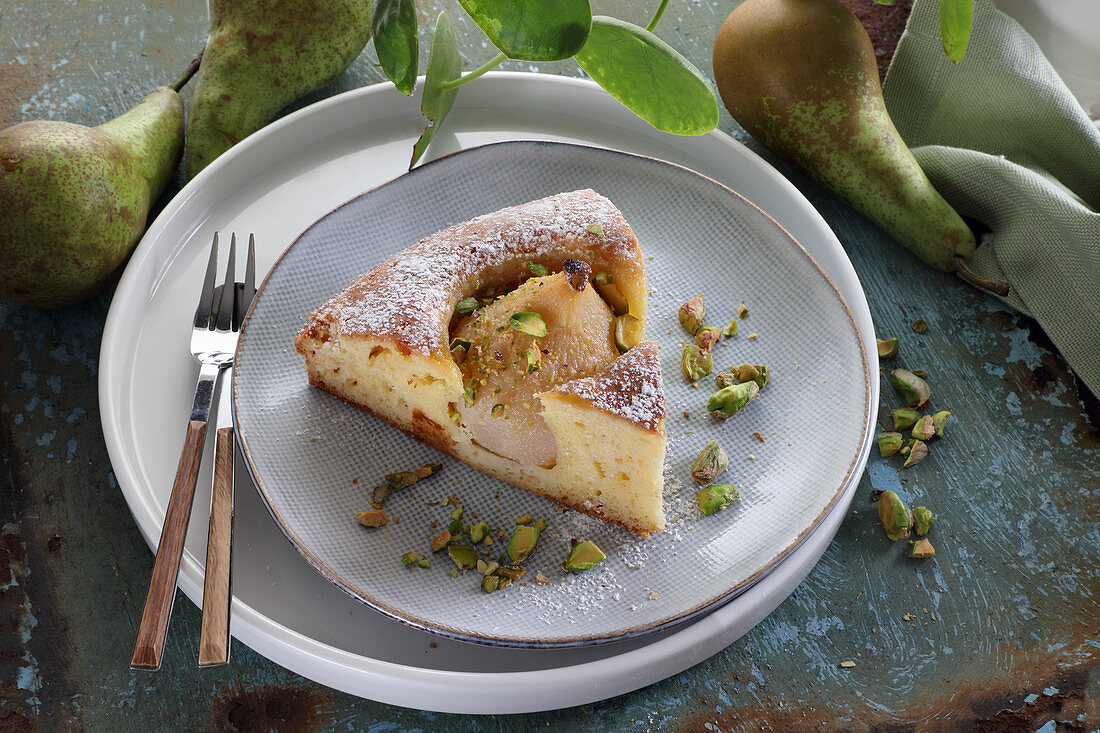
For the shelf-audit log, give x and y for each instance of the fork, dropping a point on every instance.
(213, 341)
(216, 596)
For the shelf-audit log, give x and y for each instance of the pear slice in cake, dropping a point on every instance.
(525, 381)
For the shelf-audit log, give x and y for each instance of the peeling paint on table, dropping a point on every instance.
(1001, 631)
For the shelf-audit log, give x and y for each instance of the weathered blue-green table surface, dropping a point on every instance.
(1000, 631)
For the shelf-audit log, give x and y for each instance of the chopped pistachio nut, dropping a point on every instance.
(479, 532)
(534, 359)
(725, 379)
(746, 372)
(731, 330)
(925, 428)
(691, 314)
(887, 348)
(490, 583)
(497, 410)
(923, 519)
(742, 311)
(457, 512)
(628, 332)
(528, 323)
(921, 549)
(894, 515)
(540, 525)
(525, 519)
(379, 495)
(466, 306)
(904, 418)
(707, 336)
(710, 464)
(371, 518)
(468, 395)
(440, 541)
(919, 325)
(463, 556)
(413, 558)
(522, 543)
(584, 556)
(847, 664)
(537, 269)
(716, 497)
(915, 390)
(487, 567)
(730, 400)
(512, 572)
(939, 420)
(459, 349)
(542, 579)
(917, 453)
(921, 373)
(889, 443)
(455, 527)
(596, 228)
(695, 363)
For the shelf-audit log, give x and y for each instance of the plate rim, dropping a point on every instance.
(431, 687)
(310, 555)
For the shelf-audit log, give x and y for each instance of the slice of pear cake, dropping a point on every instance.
(495, 341)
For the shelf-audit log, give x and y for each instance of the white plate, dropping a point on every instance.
(276, 184)
(315, 459)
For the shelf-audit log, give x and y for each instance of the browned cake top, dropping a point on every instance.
(630, 388)
(409, 299)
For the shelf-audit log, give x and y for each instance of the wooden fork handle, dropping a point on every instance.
(214, 638)
(149, 647)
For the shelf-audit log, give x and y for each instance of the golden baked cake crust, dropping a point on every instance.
(384, 345)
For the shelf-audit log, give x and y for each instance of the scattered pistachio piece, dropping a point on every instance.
(923, 520)
(522, 543)
(459, 349)
(537, 269)
(542, 579)
(596, 228)
(413, 558)
(379, 495)
(512, 572)
(710, 464)
(730, 400)
(939, 420)
(904, 418)
(921, 549)
(695, 362)
(894, 515)
(919, 325)
(742, 311)
(889, 444)
(463, 556)
(371, 518)
(440, 541)
(725, 379)
(731, 330)
(847, 664)
(540, 525)
(528, 323)
(534, 359)
(887, 348)
(525, 519)
(479, 532)
(455, 527)
(692, 313)
(921, 373)
(628, 332)
(609, 291)
(716, 497)
(490, 583)
(584, 556)
(487, 567)
(746, 372)
(457, 512)
(707, 336)
(925, 428)
(914, 389)
(917, 453)
(497, 410)
(466, 306)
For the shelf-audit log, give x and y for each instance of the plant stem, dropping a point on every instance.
(487, 66)
(187, 73)
(997, 287)
(657, 16)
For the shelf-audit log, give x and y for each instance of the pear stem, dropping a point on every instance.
(652, 26)
(997, 287)
(187, 73)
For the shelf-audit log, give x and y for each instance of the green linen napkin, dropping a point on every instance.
(1006, 143)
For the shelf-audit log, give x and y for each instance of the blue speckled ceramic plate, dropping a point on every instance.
(315, 459)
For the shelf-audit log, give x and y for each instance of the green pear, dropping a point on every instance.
(74, 199)
(800, 76)
(260, 57)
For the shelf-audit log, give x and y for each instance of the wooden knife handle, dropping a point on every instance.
(149, 647)
(214, 638)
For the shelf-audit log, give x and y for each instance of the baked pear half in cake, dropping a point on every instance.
(513, 342)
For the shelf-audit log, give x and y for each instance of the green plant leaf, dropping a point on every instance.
(393, 27)
(533, 30)
(444, 64)
(649, 77)
(956, 17)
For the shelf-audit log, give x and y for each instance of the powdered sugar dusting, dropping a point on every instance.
(630, 388)
(409, 298)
